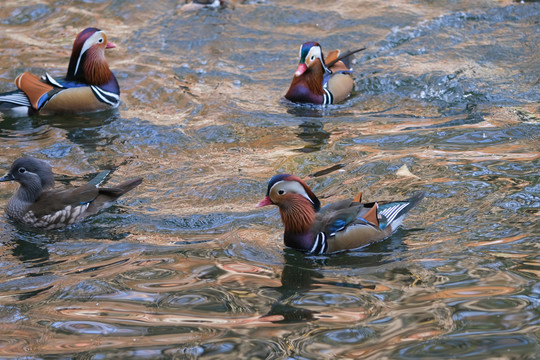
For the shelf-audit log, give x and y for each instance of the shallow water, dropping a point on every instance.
(185, 266)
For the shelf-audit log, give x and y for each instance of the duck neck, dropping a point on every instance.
(307, 87)
(96, 70)
(314, 79)
(93, 69)
(298, 215)
(29, 191)
(25, 196)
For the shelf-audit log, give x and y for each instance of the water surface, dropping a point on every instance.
(185, 266)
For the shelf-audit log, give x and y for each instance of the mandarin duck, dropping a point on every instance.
(318, 80)
(342, 225)
(200, 4)
(38, 205)
(89, 84)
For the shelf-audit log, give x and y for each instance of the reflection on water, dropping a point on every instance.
(185, 266)
(314, 135)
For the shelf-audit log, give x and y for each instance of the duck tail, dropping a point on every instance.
(100, 178)
(121, 189)
(392, 214)
(344, 57)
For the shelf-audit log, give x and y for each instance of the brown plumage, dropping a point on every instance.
(298, 215)
(342, 225)
(33, 87)
(37, 204)
(89, 84)
(95, 67)
(318, 80)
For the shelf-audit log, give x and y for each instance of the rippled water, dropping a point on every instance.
(184, 266)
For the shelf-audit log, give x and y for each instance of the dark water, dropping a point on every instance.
(185, 267)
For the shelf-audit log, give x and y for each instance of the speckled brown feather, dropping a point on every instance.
(55, 200)
(36, 203)
(58, 208)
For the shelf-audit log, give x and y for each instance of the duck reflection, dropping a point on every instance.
(10, 124)
(313, 133)
(302, 274)
(30, 253)
(311, 128)
(297, 276)
(84, 130)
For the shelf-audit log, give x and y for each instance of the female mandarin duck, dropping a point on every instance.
(37, 205)
(318, 80)
(89, 84)
(343, 225)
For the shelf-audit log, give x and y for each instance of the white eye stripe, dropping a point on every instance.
(294, 187)
(87, 44)
(315, 53)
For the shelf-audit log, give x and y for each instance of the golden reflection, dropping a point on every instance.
(130, 315)
(244, 268)
(469, 292)
(508, 255)
(498, 241)
(530, 267)
(531, 271)
(206, 126)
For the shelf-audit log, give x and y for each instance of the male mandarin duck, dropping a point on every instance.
(89, 84)
(38, 205)
(318, 80)
(342, 225)
(200, 4)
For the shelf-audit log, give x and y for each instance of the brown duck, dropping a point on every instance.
(38, 205)
(89, 84)
(342, 225)
(320, 80)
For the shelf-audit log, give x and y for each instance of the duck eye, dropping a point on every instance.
(281, 192)
(312, 57)
(100, 40)
(22, 170)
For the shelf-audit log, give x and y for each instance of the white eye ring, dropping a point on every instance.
(281, 192)
(312, 57)
(22, 170)
(100, 40)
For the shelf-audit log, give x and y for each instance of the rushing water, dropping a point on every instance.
(184, 266)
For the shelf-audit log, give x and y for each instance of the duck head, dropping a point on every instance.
(88, 63)
(311, 58)
(307, 82)
(34, 175)
(297, 203)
